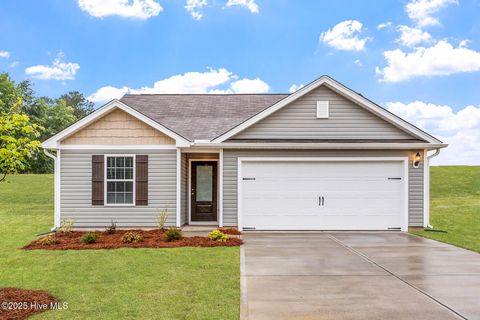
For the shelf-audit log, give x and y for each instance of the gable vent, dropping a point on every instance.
(322, 109)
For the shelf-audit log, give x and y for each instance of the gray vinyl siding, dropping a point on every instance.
(184, 190)
(230, 158)
(76, 191)
(347, 120)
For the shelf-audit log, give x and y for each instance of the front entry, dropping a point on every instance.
(203, 192)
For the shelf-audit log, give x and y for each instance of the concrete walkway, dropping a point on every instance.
(357, 275)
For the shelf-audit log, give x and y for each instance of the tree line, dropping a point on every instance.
(27, 119)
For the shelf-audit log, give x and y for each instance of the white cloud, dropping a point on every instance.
(210, 81)
(251, 5)
(108, 93)
(59, 70)
(139, 9)
(249, 86)
(410, 37)
(384, 25)
(4, 54)
(294, 87)
(421, 11)
(438, 60)
(13, 64)
(344, 36)
(461, 129)
(358, 62)
(194, 8)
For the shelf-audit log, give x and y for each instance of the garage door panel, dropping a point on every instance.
(356, 195)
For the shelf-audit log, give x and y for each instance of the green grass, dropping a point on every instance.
(455, 206)
(181, 283)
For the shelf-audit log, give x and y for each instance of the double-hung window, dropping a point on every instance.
(120, 181)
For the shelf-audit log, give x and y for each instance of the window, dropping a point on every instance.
(120, 172)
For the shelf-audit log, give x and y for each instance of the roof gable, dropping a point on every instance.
(346, 120)
(342, 90)
(53, 142)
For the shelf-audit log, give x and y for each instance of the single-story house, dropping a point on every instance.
(322, 158)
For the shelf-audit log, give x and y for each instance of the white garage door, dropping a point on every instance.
(320, 195)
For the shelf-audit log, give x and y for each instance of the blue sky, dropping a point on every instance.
(419, 58)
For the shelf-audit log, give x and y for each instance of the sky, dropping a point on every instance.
(418, 58)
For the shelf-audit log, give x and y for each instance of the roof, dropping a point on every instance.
(200, 116)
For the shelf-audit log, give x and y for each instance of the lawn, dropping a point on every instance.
(455, 206)
(181, 283)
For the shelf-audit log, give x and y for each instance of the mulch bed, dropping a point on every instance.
(150, 239)
(18, 303)
(231, 231)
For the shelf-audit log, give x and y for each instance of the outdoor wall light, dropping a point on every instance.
(416, 160)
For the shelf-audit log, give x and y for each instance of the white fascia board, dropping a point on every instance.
(341, 89)
(53, 142)
(366, 146)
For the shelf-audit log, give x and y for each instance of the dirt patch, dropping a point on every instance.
(18, 303)
(150, 239)
(231, 231)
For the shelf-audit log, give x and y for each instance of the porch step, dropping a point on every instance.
(188, 228)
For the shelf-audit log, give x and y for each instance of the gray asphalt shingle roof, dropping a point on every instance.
(200, 116)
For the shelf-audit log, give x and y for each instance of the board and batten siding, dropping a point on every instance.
(76, 191)
(346, 120)
(230, 167)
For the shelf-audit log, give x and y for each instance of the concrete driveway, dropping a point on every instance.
(357, 275)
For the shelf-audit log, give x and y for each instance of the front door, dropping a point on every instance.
(204, 191)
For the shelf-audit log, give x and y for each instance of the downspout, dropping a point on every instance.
(436, 153)
(56, 189)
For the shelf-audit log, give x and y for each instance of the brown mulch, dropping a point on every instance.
(18, 303)
(231, 231)
(150, 239)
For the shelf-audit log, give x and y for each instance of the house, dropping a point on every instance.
(322, 158)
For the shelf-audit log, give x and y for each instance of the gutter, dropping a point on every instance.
(273, 145)
(56, 188)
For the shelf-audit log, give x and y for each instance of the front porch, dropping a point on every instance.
(201, 188)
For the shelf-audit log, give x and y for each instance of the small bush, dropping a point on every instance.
(89, 238)
(66, 224)
(48, 240)
(173, 234)
(131, 237)
(111, 229)
(162, 219)
(217, 235)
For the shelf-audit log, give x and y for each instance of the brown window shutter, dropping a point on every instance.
(141, 180)
(98, 177)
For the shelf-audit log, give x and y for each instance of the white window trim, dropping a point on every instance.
(241, 160)
(105, 182)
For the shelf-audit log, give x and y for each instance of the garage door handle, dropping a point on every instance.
(321, 201)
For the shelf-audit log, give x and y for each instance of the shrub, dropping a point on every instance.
(173, 234)
(89, 238)
(111, 228)
(162, 219)
(48, 240)
(66, 225)
(131, 237)
(217, 235)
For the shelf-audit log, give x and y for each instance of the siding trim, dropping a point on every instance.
(178, 222)
(240, 160)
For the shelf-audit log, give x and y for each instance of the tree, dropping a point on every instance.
(78, 102)
(18, 140)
